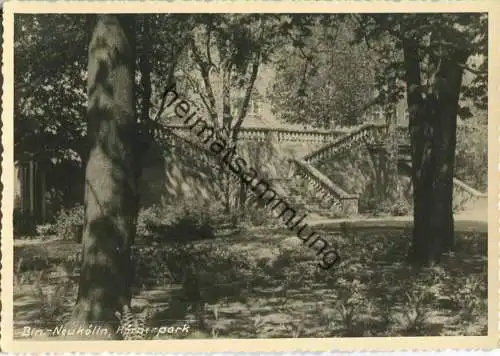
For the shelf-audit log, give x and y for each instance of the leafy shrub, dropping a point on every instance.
(150, 266)
(351, 303)
(467, 297)
(400, 208)
(220, 271)
(257, 214)
(471, 155)
(416, 310)
(147, 219)
(213, 269)
(53, 301)
(186, 221)
(420, 295)
(45, 229)
(385, 304)
(398, 205)
(67, 222)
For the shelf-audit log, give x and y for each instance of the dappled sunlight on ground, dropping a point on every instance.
(267, 284)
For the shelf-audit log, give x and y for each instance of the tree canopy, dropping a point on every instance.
(436, 37)
(326, 80)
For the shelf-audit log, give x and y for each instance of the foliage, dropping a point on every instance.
(149, 266)
(50, 57)
(45, 229)
(351, 303)
(326, 82)
(226, 52)
(384, 34)
(471, 157)
(256, 214)
(416, 311)
(243, 279)
(53, 302)
(67, 221)
(398, 206)
(467, 297)
(187, 221)
(185, 264)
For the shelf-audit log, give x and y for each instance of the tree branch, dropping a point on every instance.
(196, 87)
(204, 71)
(246, 99)
(170, 81)
(208, 42)
(471, 70)
(227, 116)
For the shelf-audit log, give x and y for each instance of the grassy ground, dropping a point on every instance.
(267, 284)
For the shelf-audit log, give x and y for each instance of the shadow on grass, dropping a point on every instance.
(234, 288)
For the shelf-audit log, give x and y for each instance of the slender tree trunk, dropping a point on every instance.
(433, 119)
(110, 185)
(391, 163)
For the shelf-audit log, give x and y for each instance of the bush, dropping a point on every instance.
(188, 221)
(150, 266)
(351, 304)
(467, 297)
(45, 229)
(214, 270)
(146, 219)
(471, 155)
(69, 222)
(257, 214)
(400, 208)
(394, 207)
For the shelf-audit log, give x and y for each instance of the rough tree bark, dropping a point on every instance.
(110, 184)
(433, 118)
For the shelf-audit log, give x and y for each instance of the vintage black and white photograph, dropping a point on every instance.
(249, 175)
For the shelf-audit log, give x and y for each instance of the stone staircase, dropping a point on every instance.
(372, 135)
(306, 188)
(306, 199)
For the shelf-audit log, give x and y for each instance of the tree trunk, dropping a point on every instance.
(433, 119)
(448, 84)
(110, 185)
(391, 162)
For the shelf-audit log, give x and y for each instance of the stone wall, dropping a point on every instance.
(171, 174)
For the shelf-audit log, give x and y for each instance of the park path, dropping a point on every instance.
(471, 220)
(467, 221)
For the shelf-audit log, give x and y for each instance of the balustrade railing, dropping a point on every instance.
(169, 137)
(341, 144)
(282, 134)
(370, 134)
(348, 203)
(336, 196)
(462, 193)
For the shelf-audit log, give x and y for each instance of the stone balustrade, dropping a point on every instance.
(339, 199)
(341, 144)
(464, 195)
(371, 134)
(282, 134)
(336, 141)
